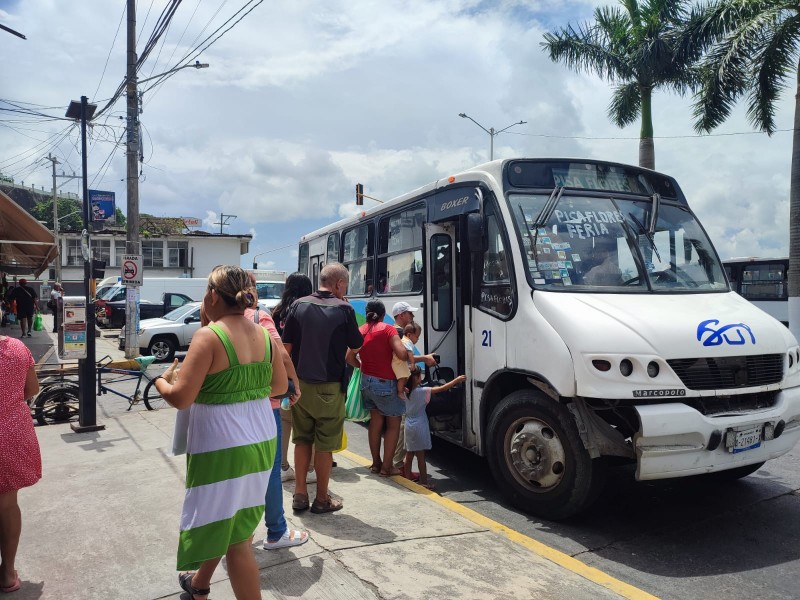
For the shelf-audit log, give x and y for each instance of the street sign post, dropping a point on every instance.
(132, 270)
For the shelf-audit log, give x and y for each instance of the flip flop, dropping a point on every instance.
(291, 537)
(13, 587)
(185, 581)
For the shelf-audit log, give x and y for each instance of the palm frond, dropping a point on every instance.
(773, 65)
(583, 50)
(626, 104)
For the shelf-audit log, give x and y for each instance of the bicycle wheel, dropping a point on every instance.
(57, 403)
(152, 399)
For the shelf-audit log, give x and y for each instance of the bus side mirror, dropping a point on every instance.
(475, 232)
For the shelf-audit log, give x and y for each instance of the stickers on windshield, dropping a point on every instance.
(562, 254)
(576, 257)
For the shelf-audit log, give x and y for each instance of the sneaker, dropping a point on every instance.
(287, 474)
(311, 477)
(29, 334)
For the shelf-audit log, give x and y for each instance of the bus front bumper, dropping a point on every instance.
(676, 440)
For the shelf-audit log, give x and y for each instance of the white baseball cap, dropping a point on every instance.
(402, 307)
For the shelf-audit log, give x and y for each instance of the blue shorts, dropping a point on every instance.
(381, 395)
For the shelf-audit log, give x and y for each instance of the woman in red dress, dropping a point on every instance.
(20, 459)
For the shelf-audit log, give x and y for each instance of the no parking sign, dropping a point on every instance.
(132, 270)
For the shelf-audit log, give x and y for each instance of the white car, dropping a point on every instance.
(166, 335)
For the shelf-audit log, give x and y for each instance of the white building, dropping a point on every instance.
(168, 250)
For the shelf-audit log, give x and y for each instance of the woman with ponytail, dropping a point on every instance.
(379, 386)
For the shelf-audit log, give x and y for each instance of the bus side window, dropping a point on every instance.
(497, 293)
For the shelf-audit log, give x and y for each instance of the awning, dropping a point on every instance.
(26, 246)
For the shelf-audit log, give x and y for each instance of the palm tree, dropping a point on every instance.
(753, 52)
(634, 49)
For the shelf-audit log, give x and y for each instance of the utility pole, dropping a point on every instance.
(132, 245)
(55, 162)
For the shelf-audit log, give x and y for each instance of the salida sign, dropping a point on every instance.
(131, 270)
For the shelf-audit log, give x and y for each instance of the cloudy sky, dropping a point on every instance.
(303, 99)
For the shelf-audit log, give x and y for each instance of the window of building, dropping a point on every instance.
(101, 250)
(119, 252)
(177, 254)
(400, 252)
(357, 257)
(153, 253)
(333, 247)
(74, 256)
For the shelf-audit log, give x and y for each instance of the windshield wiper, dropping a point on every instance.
(548, 208)
(654, 213)
(646, 233)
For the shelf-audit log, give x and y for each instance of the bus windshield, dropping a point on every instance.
(612, 244)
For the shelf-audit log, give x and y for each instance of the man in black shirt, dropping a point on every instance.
(317, 332)
(26, 304)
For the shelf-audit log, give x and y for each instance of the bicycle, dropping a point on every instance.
(59, 398)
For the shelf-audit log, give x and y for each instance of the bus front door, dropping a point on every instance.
(442, 319)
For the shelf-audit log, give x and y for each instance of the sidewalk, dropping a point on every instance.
(103, 523)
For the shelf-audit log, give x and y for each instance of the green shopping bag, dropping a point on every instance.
(37, 322)
(354, 405)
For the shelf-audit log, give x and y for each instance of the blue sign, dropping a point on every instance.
(731, 334)
(103, 205)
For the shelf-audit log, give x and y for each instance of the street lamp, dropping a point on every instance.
(196, 65)
(87, 399)
(491, 131)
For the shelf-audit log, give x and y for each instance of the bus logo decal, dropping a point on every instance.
(730, 334)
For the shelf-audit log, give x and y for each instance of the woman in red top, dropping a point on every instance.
(379, 386)
(20, 459)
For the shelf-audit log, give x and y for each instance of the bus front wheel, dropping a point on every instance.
(537, 456)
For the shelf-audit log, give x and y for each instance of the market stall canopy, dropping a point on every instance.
(26, 246)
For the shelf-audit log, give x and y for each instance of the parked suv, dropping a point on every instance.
(163, 336)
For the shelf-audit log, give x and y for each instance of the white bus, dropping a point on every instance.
(592, 317)
(762, 281)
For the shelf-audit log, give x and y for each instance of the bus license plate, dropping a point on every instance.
(746, 438)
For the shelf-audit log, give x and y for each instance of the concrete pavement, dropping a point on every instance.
(103, 523)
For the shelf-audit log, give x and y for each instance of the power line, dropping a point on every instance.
(655, 137)
(113, 43)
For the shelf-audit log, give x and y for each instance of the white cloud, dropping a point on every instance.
(303, 100)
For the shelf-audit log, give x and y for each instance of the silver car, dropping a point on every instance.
(166, 335)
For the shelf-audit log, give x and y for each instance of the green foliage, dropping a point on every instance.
(121, 220)
(70, 217)
(634, 48)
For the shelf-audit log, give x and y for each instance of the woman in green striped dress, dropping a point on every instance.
(227, 379)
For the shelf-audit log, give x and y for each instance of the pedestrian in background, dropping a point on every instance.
(26, 298)
(298, 285)
(20, 458)
(55, 295)
(278, 533)
(227, 378)
(403, 314)
(379, 386)
(318, 331)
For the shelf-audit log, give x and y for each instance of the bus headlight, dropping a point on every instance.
(625, 367)
(653, 368)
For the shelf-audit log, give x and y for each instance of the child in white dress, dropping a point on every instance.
(418, 432)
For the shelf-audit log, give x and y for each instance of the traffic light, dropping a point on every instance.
(359, 194)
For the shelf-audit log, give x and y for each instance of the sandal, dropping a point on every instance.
(412, 475)
(428, 486)
(392, 473)
(300, 502)
(291, 537)
(326, 506)
(185, 581)
(13, 587)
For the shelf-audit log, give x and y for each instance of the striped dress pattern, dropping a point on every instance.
(230, 451)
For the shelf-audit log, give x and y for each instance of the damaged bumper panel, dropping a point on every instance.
(676, 440)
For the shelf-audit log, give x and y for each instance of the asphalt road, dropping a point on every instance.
(675, 539)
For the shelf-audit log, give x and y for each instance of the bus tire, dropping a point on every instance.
(537, 456)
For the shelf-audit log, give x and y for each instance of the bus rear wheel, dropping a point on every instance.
(538, 458)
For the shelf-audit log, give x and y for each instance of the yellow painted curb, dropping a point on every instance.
(565, 560)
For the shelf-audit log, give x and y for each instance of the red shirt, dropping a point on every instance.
(376, 352)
